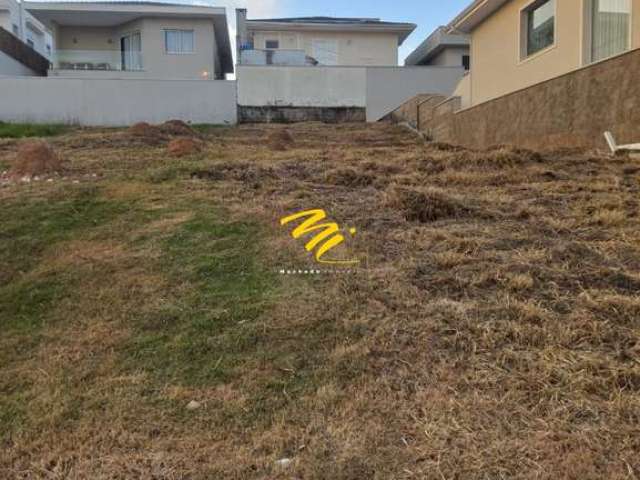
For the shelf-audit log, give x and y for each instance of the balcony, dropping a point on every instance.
(276, 57)
(97, 60)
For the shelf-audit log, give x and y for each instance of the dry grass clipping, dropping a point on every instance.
(280, 140)
(178, 128)
(146, 133)
(35, 158)
(182, 147)
(427, 206)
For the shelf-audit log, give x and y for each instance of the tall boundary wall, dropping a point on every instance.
(572, 110)
(342, 93)
(93, 102)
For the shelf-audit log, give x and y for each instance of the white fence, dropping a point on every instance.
(378, 89)
(100, 102)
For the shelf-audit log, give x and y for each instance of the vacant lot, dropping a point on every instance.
(491, 330)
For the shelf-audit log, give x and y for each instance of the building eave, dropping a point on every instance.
(476, 13)
(435, 43)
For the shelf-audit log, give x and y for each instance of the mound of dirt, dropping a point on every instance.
(178, 128)
(281, 140)
(146, 133)
(35, 158)
(348, 177)
(425, 207)
(181, 147)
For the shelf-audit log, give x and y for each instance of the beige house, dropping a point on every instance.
(323, 41)
(519, 43)
(136, 40)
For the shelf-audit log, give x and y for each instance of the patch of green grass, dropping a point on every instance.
(205, 334)
(25, 304)
(31, 225)
(22, 130)
(13, 411)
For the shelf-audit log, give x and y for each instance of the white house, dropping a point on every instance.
(14, 19)
(324, 41)
(132, 40)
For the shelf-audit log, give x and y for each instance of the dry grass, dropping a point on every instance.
(491, 331)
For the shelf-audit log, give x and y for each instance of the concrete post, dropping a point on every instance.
(241, 32)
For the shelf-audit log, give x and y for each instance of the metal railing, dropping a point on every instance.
(100, 60)
(275, 57)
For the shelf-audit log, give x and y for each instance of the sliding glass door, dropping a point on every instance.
(131, 51)
(610, 28)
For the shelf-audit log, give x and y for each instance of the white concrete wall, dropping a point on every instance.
(10, 66)
(91, 102)
(388, 88)
(380, 89)
(302, 86)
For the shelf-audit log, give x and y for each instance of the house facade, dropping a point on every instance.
(324, 41)
(442, 48)
(15, 20)
(519, 43)
(136, 40)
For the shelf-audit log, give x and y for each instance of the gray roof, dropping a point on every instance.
(335, 24)
(440, 39)
(330, 21)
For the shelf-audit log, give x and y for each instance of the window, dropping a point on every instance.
(466, 62)
(539, 22)
(610, 27)
(16, 30)
(178, 41)
(30, 42)
(272, 44)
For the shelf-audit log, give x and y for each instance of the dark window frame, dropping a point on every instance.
(466, 62)
(529, 47)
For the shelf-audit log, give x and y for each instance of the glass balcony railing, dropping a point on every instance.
(103, 60)
(275, 57)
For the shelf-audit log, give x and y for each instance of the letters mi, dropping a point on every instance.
(326, 236)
